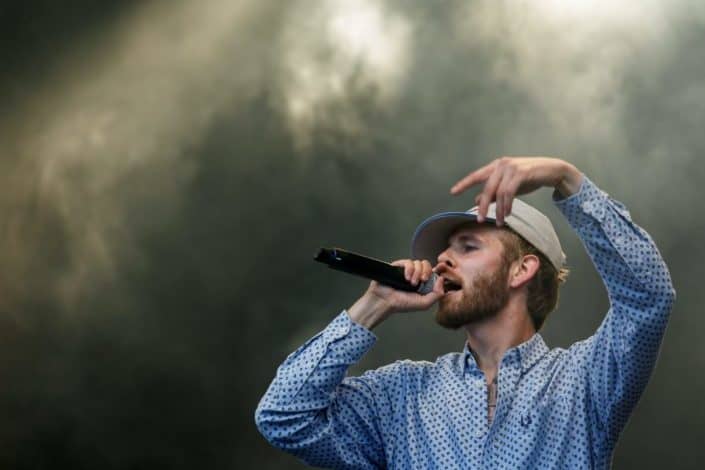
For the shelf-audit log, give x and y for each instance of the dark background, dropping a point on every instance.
(168, 169)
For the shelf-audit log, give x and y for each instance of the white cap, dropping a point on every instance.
(431, 237)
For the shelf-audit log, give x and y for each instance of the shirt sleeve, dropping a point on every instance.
(618, 359)
(312, 411)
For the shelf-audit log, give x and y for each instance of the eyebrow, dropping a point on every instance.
(467, 236)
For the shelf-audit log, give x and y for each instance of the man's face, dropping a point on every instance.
(476, 276)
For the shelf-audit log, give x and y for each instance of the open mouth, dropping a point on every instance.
(450, 286)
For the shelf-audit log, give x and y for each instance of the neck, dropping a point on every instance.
(489, 339)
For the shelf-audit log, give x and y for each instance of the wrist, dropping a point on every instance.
(570, 180)
(369, 311)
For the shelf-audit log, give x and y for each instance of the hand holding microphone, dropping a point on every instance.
(403, 276)
(401, 286)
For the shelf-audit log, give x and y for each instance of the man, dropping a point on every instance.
(506, 401)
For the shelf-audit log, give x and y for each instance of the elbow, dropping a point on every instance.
(266, 424)
(672, 294)
(286, 430)
(658, 290)
(259, 420)
(668, 295)
(664, 299)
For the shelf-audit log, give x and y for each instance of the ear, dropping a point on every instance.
(523, 270)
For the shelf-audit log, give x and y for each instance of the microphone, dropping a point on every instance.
(370, 268)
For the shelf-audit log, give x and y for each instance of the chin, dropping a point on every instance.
(450, 314)
(462, 310)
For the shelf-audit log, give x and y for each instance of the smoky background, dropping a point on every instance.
(169, 169)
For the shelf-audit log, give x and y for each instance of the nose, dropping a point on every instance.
(444, 261)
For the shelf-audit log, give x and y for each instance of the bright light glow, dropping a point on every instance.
(359, 30)
(358, 45)
(606, 12)
(573, 7)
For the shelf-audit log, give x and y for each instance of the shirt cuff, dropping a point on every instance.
(589, 203)
(358, 334)
(354, 338)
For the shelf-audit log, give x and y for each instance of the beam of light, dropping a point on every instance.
(332, 50)
(127, 107)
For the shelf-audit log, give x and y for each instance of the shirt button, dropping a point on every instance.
(479, 433)
(340, 331)
(480, 384)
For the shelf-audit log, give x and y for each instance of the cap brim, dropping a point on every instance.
(431, 237)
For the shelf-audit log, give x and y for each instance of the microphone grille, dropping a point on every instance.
(426, 287)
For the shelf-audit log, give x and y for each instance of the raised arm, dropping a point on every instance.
(617, 361)
(619, 357)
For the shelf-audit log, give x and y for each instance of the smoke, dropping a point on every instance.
(118, 122)
(569, 58)
(334, 51)
(168, 169)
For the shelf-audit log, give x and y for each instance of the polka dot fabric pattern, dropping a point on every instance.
(556, 408)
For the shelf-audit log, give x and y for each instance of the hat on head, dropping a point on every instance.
(431, 237)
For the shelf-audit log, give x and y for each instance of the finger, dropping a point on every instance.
(503, 190)
(433, 296)
(505, 204)
(407, 265)
(418, 270)
(471, 179)
(427, 270)
(509, 204)
(488, 194)
(510, 194)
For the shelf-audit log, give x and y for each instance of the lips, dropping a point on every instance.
(450, 285)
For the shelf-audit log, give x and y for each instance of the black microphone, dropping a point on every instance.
(370, 268)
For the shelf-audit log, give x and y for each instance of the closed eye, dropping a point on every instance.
(464, 244)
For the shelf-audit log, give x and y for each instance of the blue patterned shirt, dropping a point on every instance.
(556, 408)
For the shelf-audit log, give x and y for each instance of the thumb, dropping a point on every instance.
(437, 292)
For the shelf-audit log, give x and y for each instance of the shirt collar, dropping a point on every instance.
(526, 354)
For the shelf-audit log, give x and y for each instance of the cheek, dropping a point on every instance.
(479, 269)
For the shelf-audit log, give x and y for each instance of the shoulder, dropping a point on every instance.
(416, 371)
(565, 364)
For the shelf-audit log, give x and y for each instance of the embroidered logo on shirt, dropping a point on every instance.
(526, 420)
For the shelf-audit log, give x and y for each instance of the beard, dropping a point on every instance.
(487, 295)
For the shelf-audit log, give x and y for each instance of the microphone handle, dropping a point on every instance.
(370, 268)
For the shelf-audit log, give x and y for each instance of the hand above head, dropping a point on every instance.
(380, 301)
(508, 177)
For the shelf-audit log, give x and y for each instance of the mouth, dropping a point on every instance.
(450, 285)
